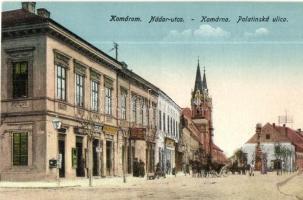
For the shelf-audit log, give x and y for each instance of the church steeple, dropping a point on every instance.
(204, 84)
(198, 81)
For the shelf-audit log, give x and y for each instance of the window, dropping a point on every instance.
(176, 124)
(134, 109)
(20, 79)
(171, 126)
(154, 116)
(108, 101)
(174, 128)
(79, 90)
(95, 95)
(142, 111)
(123, 105)
(164, 126)
(267, 136)
(160, 120)
(20, 149)
(61, 83)
(168, 125)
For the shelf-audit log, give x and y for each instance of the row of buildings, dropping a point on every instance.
(64, 100)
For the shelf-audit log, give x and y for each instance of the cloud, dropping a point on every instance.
(260, 32)
(209, 31)
(203, 32)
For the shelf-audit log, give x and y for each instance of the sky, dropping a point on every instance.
(254, 69)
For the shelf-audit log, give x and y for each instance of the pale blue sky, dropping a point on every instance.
(254, 70)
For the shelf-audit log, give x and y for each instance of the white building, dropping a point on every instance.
(167, 131)
(270, 136)
(269, 150)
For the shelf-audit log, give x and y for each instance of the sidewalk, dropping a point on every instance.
(81, 182)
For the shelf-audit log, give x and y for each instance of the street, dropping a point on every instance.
(270, 186)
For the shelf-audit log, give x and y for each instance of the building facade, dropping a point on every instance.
(260, 148)
(51, 75)
(168, 132)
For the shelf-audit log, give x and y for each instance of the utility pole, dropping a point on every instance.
(116, 46)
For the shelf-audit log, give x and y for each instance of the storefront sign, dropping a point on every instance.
(110, 129)
(137, 133)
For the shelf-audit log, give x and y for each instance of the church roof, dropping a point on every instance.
(204, 83)
(198, 81)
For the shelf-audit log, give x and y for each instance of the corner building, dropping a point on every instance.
(50, 74)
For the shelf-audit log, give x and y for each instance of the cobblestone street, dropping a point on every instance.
(182, 187)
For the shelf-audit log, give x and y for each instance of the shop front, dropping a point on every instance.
(169, 155)
(110, 133)
(138, 149)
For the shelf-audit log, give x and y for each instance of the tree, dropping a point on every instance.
(282, 153)
(90, 125)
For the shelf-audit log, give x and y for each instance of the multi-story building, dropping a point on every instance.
(168, 132)
(61, 97)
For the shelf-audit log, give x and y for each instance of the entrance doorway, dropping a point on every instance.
(109, 147)
(61, 148)
(95, 158)
(80, 172)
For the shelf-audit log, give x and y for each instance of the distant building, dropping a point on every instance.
(167, 131)
(198, 120)
(270, 136)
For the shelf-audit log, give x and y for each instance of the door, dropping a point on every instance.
(61, 146)
(109, 147)
(80, 172)
(95, 158)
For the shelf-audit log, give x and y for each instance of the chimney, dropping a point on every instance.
(29, 6)
(42, 12)
(274, 125)
(283, 125)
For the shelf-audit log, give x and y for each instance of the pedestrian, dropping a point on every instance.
(167, 167)
(251, 170)
(141, 168)
(136, 167)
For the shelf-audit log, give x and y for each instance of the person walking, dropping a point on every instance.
(251, 169)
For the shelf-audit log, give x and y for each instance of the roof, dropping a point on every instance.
(279, 134)
(216, 147)
(198, 81)
(295, 137)
(21, 17)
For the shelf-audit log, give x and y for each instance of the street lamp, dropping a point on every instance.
(57, 125)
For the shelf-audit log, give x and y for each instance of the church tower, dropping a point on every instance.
(201, 106)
